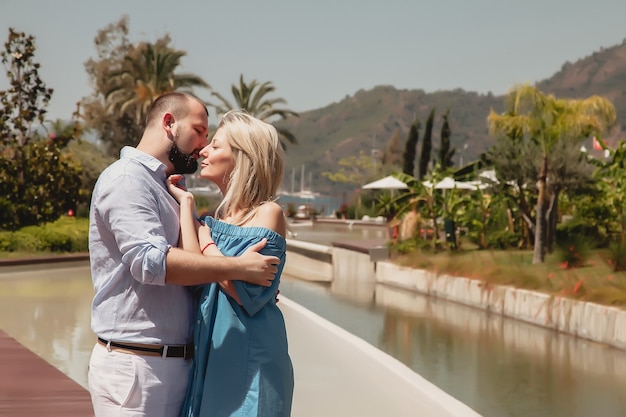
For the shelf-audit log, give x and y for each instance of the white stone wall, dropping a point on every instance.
(591, 321)
(351, 269)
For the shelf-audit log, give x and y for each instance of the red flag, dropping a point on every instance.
(596, 144)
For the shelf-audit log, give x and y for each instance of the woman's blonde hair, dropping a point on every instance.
(259, 159)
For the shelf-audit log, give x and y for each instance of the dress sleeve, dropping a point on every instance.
(254, 297)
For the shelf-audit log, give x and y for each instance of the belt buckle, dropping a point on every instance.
(188, 351)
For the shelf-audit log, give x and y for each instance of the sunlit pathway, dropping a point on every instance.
(30, 386)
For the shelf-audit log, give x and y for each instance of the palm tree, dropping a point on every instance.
(251, 98)
(148, 72)
(548, 121)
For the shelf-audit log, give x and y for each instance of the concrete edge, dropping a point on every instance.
(445, 400)
(46, 259)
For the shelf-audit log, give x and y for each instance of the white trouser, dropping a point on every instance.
(124, 385)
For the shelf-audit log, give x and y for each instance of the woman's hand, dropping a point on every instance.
(176, 189)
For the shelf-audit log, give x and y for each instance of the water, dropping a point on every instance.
(326, 233)
(499, 367)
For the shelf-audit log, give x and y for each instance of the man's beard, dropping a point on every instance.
(183, 163)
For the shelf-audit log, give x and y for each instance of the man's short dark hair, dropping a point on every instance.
(174, 102)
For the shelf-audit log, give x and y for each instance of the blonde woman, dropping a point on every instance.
(241, 365)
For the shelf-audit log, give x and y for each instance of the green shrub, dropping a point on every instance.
(67, 234)
(574, 252)
(503, 239)
(405, 246)
(617, 255)
(578, 227)
(21, 241)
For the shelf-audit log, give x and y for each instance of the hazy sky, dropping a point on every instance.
(317, 52)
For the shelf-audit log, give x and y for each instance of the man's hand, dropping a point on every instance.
(258, 269)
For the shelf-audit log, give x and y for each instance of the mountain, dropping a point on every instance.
(367, 120)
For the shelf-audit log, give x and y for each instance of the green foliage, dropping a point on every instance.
(617, 255)
(578, 227)
(446, 152)
(356, 170)
(127, 78)
(386, 205)
(503, 239)
(39, 180)
(27, 97)
(427, 146)
(68, 234)
(252, 97)
(291, 210)
(406, 246)
(574, 252)
(611, 177)
(555, 125)
(410, 149)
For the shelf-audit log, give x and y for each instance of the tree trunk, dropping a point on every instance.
(526, 222)
(540, 229)
(552, 217)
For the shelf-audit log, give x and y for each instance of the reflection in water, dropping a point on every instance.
(47, 309)
(497, 366)
(501, 365)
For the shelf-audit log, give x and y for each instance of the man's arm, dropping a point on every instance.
(186, 268)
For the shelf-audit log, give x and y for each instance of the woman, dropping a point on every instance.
(241, 364)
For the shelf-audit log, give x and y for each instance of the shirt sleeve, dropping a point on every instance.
(132, 213)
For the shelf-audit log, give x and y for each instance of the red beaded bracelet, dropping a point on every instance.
(206, 246)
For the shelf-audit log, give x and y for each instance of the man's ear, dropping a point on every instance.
(168, 122)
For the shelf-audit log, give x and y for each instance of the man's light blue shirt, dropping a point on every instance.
(134, 221)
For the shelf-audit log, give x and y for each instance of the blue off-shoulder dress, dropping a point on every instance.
(241, 365)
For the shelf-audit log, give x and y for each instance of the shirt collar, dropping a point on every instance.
(143, 158)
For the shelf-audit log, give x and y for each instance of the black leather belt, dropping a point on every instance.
(167, 351)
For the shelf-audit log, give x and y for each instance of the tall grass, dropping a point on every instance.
(593, 280)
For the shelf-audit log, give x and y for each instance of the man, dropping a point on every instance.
(142, 311)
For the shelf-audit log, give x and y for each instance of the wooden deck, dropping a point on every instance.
(30, 386)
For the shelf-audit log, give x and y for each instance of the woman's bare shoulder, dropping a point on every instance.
(270, 215)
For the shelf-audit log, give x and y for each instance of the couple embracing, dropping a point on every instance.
(185, 308)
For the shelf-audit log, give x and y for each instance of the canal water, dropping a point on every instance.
(497, 366)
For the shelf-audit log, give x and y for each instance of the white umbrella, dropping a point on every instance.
(387, 183)
(449, 183)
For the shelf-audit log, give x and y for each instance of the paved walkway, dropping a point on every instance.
(30, 386)
(336, 374)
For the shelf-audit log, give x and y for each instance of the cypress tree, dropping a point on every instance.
(427, 146)
(410, 149)
(445, 153)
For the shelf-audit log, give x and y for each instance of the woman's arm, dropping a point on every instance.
(188, 224)
(210, 249)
